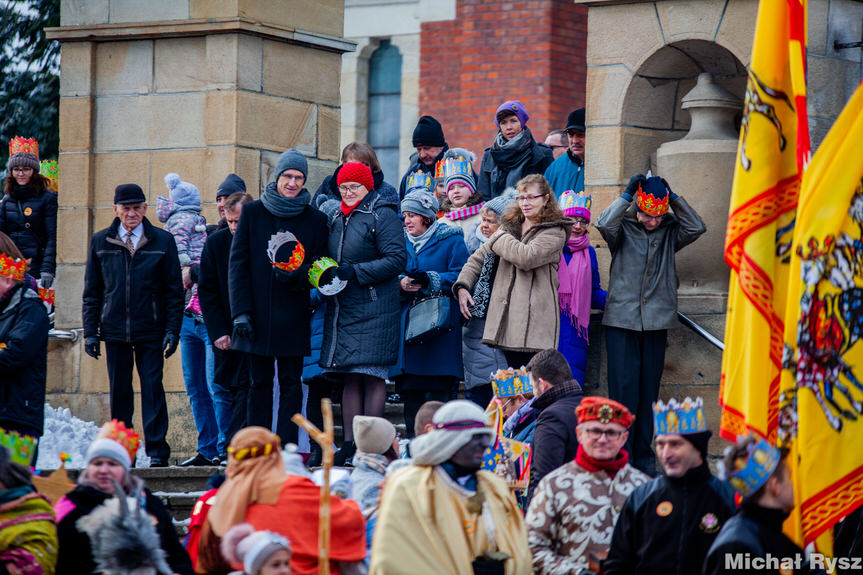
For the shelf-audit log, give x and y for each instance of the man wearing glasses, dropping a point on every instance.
(572, 514)
(566, 172)
(641, 307)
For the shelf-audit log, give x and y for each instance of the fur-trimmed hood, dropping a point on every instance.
(514, 227)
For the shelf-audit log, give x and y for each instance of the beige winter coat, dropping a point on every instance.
(523, 313)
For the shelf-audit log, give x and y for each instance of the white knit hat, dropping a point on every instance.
(373, 434)
(454, 425)
(243, 544)
(105, 447)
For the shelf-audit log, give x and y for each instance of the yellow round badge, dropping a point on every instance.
(28, 210)
(664, 509)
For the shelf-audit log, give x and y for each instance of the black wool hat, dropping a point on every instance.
(129, 194)
(232, 184)
(699, 440)
(575, 121)
(428, 133)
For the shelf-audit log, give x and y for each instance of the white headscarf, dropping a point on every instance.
(455, 424)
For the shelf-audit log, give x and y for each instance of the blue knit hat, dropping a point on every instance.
(182, 193)
(291, 160)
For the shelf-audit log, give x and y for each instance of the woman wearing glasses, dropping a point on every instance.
(28, 211)
(523, 316)
(580, 290)
(361, 325)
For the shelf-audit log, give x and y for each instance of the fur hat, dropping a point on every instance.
(422, 203)
(291, 160)
(182, 193)
(455, 424)
(511, 107)
(243, 545)
(373, 434)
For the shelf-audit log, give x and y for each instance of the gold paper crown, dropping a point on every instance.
(438, 170)
(116, 430)
(19, 145)
(13, 269)
(679, 418)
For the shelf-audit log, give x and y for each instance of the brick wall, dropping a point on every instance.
(533, 51)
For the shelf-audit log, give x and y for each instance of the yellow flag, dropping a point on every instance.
(822, 383)
(773, 149)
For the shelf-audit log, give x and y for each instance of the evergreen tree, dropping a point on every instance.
(29, 75)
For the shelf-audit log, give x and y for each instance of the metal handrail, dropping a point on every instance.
(70, 335)
(688, 322)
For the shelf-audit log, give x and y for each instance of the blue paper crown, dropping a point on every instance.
(457, 167)
(749, 475)
(510, 382)
(679, 417)
(419, 180)
(571, 199)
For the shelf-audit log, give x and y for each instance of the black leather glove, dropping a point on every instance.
(419, 278)
(243, 326)
(169, 344)
(346, 272)
(671, 195)
(483, 566)
(92, 347)
(634, 183)
(288, 277)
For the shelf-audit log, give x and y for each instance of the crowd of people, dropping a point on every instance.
(485, 278)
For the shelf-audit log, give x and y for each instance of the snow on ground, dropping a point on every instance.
(67, 434)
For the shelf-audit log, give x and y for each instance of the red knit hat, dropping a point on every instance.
(603, 410)
(356, 172)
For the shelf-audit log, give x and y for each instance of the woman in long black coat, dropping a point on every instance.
(271, 306)
(361, 326)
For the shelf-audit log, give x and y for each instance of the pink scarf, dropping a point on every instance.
(575, 284)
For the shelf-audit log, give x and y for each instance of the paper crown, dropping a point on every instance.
(48, 168)
(603, 410)
(47, 295)
(21, 448)
(12, 269)
(750, 473)
(317, 270)
(438, 170)
(510, 382)
(679, 417)
(457, 166)
(116, 430)
(575, 204)
(419, 180)
(651, 204)
(298, 255)
(19, 145)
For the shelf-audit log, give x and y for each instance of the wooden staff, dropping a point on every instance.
(325, 440)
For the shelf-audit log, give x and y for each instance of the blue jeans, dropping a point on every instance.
(198, 370)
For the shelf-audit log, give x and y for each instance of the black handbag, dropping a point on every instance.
(428, 318)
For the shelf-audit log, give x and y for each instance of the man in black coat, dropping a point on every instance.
(429, 141)
(667, 525)
(23, 347)
(231, 367)
(133, 301)
(271, 305)
(554, 439)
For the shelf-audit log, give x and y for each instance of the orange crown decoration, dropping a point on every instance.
(47, 295)
(438, 170)
(13, 269)
(117, 431)
(19, 145)
(650, 204)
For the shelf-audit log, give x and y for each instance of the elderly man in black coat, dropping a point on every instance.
(133, 300)
(270, 304)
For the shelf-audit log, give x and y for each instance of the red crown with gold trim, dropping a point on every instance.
(439, 170)
(117, 431)
(19, 145)
(13, 269)
(603, 410)
(650, 204)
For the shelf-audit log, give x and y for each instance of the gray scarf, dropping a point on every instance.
(281, 206)
(418, 242)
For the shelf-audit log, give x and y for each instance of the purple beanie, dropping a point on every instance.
(513, 107)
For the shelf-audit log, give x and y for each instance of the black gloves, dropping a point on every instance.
(671, 195)
(419, 278)
(483, 566)
(346, 272)
(288, 277)
(91, 347)
(243, 326)
(169, 344)
(636, 181)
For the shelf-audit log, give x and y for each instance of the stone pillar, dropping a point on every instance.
(197, 87)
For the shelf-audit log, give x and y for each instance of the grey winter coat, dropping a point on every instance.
(361, 326)
(480, 360)
(642, 284)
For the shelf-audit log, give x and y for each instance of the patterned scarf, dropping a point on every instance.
(464, 213)
(574, 290)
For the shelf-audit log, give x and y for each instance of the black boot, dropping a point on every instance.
(344, 456)
(315, 455)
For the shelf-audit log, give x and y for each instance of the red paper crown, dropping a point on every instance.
(438, 170)
(13, 269)
(650, 204)
(19, 145)
(117, 431)
(47, 295)
(603, 410)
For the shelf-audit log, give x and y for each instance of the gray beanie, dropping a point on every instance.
(104, 447)
(421, 202)
(501, 203)
(291, 160)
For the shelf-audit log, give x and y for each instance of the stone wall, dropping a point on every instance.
(197, 87)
